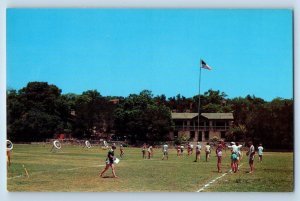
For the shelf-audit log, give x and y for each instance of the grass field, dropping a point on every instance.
(74, 168)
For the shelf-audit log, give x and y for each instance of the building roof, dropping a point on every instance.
(218, 115)
(183, 115)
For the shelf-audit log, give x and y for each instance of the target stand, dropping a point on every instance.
(56, 145)
(105, 145)
(87, 144)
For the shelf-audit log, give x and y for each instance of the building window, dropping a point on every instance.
(220, 123)
(192, 135)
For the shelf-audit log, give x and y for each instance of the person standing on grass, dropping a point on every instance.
(192, 148)
(239, 152)
(181, 150)
(150, 152)
(234, 156)
(219, 155)
(189, 149)
(178, 150)
(207, 151)
(260, 152)
(144, 150)
(8, 156)
(109, 163)
(121, 151)
(198, 152)
(165, 151)
(251, 154)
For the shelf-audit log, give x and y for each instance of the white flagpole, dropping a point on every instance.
(199, 101)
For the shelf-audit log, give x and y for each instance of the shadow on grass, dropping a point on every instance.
(108, 177)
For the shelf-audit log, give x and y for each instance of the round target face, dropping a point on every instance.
(9, 145)
(56, 144)
(88, 144)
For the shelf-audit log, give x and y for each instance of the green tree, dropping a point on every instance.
(211, 101)
(237, 133)
(93, 114)
(142, 119)
(35, 112)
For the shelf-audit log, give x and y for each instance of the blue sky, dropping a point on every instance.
(123, 51)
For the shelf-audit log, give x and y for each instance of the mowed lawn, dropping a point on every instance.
(74, 168)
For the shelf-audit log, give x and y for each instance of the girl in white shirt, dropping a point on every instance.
(260, 152)
(207, 151)
(239, 146)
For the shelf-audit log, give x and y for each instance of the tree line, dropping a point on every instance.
(39, 111)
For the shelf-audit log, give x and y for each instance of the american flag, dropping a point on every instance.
(204, 65)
